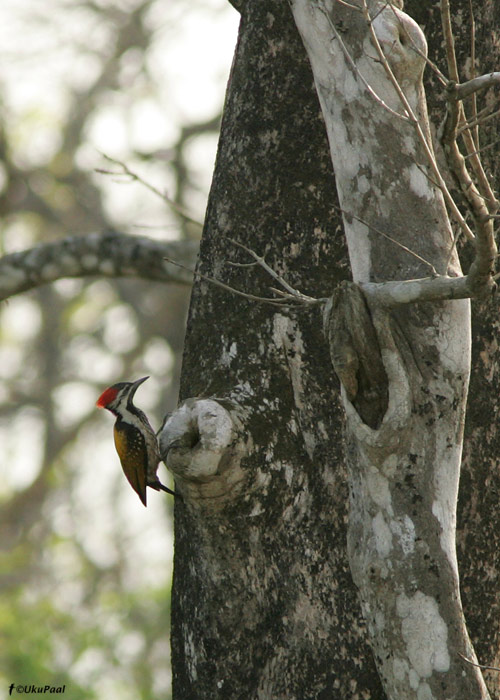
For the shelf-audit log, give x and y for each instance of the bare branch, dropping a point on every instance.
(481, 150)
(484, 186)
(134, 177)
(262, 263)
(389, 238)
(349, 5)
(475, 133)
(418, 128)
(285, 300)
(473, 663)
(449, 41)
(398, 293)
(482, 82)
(454, 91)
(480, 273)
(481, 118)
(109, 254)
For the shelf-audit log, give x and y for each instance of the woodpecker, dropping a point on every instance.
(135, 440)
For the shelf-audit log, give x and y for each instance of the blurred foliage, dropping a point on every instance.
(84, 568)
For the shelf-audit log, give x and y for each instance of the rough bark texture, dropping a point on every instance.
(478, 531)
(111, 254)
(263, 602)
(404, 466)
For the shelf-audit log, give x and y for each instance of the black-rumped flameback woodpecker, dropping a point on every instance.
(135, 440)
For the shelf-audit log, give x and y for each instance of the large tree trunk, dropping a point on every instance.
(262, 590)
(263, 602)
(405, 379)
(478, 536)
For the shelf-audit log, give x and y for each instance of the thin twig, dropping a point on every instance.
(479, 120)
(453, 247)
(351, 62)
(418, 128)
(261, 261)
(126, 171)
(483, 183)
(451, 56)
(481, 150)
(459, 92)
(424, 172)
(480, 199)
(348, 4)
(473, 663)
(236, 264)
(389, 238)
(475, 133)
(288, 300)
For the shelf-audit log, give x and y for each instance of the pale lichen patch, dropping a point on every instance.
(383, 535)
(89, 262)
(360, 253)
(424, 692)
(404, 530)
(419, 182)
(228, 355)
(378, 488)
(364, 185)
(389, 465)
(409, 145)
(107, 267)
(351, 87)
(400, 668)
(424, 632)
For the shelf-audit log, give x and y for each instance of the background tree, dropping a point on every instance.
(85, 575)
(264, 604)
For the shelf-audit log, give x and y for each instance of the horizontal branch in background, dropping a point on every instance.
(114, 254)
(109, 254)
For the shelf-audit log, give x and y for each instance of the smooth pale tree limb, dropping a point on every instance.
(481, 82)
(404, 430)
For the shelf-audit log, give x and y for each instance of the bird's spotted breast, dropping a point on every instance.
(130, 446)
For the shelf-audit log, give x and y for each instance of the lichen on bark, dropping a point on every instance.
(404, 465)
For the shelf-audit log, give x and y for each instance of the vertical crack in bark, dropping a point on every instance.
(355, 353)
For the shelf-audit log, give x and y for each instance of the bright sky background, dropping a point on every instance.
(41, 57)
(189, 62)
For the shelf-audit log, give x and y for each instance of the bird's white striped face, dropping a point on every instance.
(118, 399)
(115, 397)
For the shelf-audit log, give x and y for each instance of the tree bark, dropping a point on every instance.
(263, 602)
(110, 254)
(404, 430)
(478, 532)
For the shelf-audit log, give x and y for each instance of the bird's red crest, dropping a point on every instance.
(106, 397)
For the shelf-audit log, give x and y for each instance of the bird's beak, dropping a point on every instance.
(136, 385)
